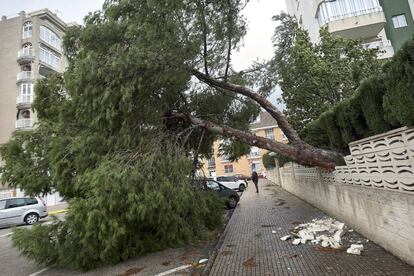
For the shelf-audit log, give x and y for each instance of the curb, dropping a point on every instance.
(57, 212)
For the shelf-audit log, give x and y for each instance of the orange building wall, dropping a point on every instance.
(243, 165)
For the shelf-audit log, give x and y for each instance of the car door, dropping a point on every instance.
(2, 212)
(229, 183)
(14, 210)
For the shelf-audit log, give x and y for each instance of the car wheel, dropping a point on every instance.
(242, 187)
(31, 218)
(232, 203)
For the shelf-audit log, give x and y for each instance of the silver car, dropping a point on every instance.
(15, 210)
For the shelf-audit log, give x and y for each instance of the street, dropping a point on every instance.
(11, 261)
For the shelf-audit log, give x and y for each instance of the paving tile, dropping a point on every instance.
(251, 248)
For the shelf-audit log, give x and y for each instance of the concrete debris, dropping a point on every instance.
(285, 238)
(273, 231)
(355, 249)
(327, 232)
(203, 261)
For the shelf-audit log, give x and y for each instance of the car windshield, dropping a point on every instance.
(2, 204)
(213, 185)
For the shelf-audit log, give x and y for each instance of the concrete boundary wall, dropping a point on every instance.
(383, 216)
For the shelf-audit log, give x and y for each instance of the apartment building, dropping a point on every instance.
(30, 48)
(264, 126)
(382, 24)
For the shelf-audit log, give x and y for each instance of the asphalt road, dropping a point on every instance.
(11, 263)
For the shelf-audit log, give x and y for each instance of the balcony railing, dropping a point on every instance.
(23, 123)
(324, 19)
(25, 75)
(24, 99)
(26, 53)
(254, 154)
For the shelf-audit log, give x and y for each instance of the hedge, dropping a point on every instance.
(379, 104)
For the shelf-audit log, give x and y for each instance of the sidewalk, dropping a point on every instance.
(250, 248)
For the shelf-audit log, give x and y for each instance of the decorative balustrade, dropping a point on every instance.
(25, 75)
(23, 123)
(384, 161)
(24, 99)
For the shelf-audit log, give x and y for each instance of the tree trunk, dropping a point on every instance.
(299, 153)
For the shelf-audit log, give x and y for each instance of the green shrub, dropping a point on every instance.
(330, 125)
(370, 96)
(399, 80)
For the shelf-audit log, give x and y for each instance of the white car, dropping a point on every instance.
(19, 210)
(231, 182)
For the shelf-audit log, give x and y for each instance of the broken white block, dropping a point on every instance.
(325, 243)
(296, 241)
(351, 230)
(355, 249)
(338, 235)
(202, 261)
(285, 238)
(273, 231)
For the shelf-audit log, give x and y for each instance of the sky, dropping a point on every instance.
(257, 42)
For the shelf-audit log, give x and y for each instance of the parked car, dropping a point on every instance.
(231, 182)
(16, 210)
(243, 177)
(232, 197)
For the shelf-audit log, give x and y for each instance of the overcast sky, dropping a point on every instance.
(257, 42)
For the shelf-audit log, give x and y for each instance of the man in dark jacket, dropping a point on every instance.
(255, 179)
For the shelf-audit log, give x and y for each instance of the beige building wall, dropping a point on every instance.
(10, 36)
(244, 164)
(11, 42)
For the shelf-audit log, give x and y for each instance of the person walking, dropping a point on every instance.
(255, 179)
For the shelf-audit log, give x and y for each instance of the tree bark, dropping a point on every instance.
(300, 154)
(290, 133)
(297, 150)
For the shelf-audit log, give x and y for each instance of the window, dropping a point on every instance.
(49, 57)
(228, 168)
(254, 151)
(270, 134)
(2, 204)
(255, 167)
(31, 201)
(16, 202)
(212, 185)
(49, 37)
(27, 29)
(399, 21)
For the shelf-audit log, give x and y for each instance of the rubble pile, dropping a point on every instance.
(326, 232)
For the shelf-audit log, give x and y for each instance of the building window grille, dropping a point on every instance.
(399, 21)
(28, 29)
(50, 37)
(228, 168)
(270, 134)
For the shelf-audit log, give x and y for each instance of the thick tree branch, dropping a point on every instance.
(290, 133)
(302, 155)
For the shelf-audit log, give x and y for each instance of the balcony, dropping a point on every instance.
(385, 49)
(212, 163)
(25, 76)
(357, 24)
(24, 100)
(24, 124)
(25, 55)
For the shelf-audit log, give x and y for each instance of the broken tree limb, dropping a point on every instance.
(300, 153)
(287, 129)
